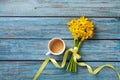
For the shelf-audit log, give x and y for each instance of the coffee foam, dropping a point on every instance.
(56, 46)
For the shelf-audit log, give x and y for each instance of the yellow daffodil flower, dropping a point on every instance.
(81, 28)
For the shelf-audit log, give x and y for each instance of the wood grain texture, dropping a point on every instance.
(105, 28)
(26, 26)
(26, 70)
(60, 8)
(91, 50)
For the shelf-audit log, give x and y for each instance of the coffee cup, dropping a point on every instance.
(56, 46)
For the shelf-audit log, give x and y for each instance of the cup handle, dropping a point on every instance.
(48, 53)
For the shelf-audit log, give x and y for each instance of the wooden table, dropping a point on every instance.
(26, 26)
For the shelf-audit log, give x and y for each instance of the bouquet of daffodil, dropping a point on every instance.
(81, 30)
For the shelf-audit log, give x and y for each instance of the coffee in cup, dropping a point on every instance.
(56, 46)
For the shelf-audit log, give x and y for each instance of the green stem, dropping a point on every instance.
(79, 43)
(75, 69)
(72, 66)
(69, 65)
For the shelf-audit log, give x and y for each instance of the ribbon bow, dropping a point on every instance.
(76, 56)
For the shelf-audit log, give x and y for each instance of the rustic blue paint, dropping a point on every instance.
(102, 50)
(25, 70)
(26, 28)
(105, 28)
(60, 8)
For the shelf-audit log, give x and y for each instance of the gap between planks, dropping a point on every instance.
(47, 39)
(60, 16)
(57, 61)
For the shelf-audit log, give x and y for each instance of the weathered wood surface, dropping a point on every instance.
(26, 26)
(105, 28)
(101, 8)
(26, 70)
(102, 50)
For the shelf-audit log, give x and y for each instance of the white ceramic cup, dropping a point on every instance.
(56, 46)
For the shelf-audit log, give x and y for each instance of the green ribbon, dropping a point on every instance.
(76, 56)
(98, 69)
(54, 63)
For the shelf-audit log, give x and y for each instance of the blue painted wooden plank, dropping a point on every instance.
(93, 50)
(60, 8)
(105, 28)
(26, 70)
